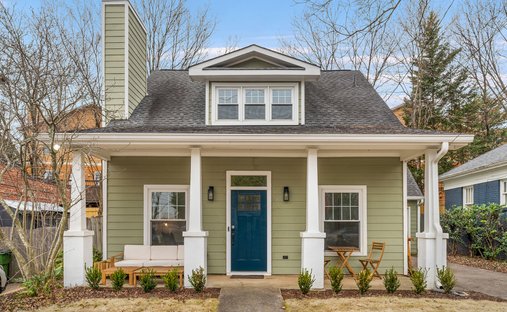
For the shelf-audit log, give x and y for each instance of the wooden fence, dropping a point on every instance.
(43, 238)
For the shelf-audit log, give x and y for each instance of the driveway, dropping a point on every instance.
(484, 281)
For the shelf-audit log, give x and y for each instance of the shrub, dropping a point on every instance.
(197, 279)
(336, 277)
(93, 277)
(97, 255)
(305, 281)
(363, 281)
(418, 278)
(147, 280)
(446, 278)
(391, 281)
(37, 285)
(118, 279)
(171, 280)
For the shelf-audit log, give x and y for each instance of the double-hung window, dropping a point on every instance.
(165, 214)
(254, 103)
(503, 192)
(343, 214)
(468, 196)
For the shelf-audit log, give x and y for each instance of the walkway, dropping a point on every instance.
(239, 299)
(484, 281)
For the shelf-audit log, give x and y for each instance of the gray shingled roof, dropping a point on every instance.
(413, 189)
(492, 158)
(339, 102)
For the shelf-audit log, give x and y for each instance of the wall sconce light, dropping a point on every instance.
(211, 193)
(285, 193)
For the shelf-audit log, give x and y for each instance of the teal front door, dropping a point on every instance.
(248, 231)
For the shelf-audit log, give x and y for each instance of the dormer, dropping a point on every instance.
(254, 86)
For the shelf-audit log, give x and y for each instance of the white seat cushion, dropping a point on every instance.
(129, 263)
(163, 263)
(181, 252)
(164, 253)
(136, 252)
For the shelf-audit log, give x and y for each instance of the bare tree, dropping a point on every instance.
(175, 38)
(48, 62)
(357, 35)
(482, 33)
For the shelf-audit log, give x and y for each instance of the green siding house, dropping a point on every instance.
(254, 161)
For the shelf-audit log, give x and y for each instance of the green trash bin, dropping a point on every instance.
(5, 260)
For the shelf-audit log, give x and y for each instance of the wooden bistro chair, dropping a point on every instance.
(374, 258)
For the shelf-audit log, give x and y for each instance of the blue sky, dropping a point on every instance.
(251, 21)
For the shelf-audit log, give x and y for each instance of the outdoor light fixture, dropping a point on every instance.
(285, 193)
(56, 147)
(211, 193)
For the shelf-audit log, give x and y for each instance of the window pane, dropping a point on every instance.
(167, 232)
(342, 234)
(282, 96)
(345, 199)
(254, 96)
(354, 213)
(346, 213)
(354, 199)
(227, 112)
(227, 96)
(329, 213)
(255, 112)
(281, 112)
(249, 181)
(328, 199)
(168, 205)
(249, 203)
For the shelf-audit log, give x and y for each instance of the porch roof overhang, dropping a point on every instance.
(404, 146)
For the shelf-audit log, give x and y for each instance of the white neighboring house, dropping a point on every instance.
(482, 180)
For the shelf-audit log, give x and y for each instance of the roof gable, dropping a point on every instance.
(254, 63)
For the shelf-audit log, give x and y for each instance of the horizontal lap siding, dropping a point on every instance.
(125, 203)
(383, 178)
(453, 197)
(114, 60)
(487, 193)
(137, 62)
(288, 218)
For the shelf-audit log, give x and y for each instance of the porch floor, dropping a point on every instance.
(291, 282)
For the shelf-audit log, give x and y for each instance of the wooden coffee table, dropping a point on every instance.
(128, 270)
(158, 271)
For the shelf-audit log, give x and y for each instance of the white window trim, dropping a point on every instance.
(241, 105)
(363, 212)
(229, 188)
(503, 191)
(148, 189)
(465, 203)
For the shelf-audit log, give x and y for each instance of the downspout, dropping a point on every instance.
(436, 218)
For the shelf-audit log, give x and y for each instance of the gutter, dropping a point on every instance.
(436, 224)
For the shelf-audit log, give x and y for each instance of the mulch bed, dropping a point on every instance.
(327, 294)
(492, 265)
(18, 301)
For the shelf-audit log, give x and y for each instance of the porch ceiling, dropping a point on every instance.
(403, 146)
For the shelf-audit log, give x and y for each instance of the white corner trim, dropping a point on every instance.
(363, 212)
(229, 188)
(406, 220)
(148, 188)
(104, 208)
(302, 103)
(503, 192)
(207, 106)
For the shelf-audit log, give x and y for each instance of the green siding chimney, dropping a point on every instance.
(124, 57)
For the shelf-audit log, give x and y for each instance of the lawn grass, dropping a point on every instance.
(135, 304)
(393, 304)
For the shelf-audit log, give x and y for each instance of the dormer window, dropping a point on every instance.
(254, 103)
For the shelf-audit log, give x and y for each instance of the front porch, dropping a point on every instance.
(369, 180)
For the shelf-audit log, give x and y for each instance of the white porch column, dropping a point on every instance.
(195, 238)
(432, 243)
(77, 241)
(312, 248)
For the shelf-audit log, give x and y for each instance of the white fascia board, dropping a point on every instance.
(486, 175)
(455, 141)
(254, 75)
(472, 172)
